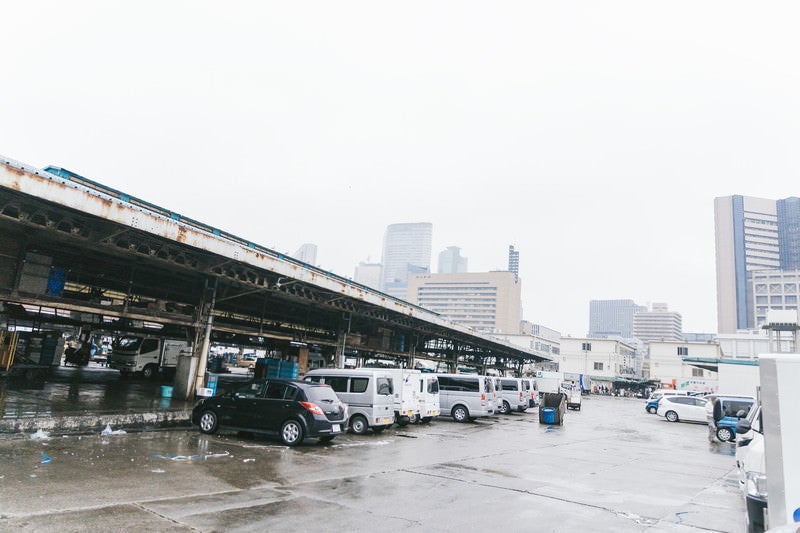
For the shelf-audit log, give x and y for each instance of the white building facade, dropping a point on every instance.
(603, 360)
(485, 301)
(665, 364)
(658, 324)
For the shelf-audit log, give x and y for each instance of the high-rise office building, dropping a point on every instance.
(485, 301)
(789, 232)
(751, 234)
(451, 262)
(369, 274)
(609, 318)
(307, 253)
(406, 250)
(513, 260)
(659, 324)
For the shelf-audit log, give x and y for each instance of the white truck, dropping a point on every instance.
(552, 382)
(406, 397)
(151, 356)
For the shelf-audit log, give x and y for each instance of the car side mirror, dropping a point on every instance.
(742, 426)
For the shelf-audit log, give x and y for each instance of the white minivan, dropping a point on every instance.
(466, 396)
(368, 392)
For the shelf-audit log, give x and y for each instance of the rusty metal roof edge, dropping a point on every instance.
(257, 256)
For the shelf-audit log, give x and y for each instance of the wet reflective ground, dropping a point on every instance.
(91, 390)
(610, 467)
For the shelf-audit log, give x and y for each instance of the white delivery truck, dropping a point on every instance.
(429, 406)
(406, 398)
(149, 355)
(549, 382)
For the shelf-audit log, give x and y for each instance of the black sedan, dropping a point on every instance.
(290, 409)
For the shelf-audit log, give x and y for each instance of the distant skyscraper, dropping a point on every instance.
(406, 249)
(369, 274)
(612, 317)
(451, 262)
(513, 260)
(789, 232)
(660, 324)
(746, 235)
(307, 253)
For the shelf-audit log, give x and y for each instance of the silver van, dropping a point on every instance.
(513, 395)
(466, 396)
(368, 392)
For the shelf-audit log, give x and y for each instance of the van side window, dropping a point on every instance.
(358, 385)
(433, 386)
(464, 384)
(337, 383)
(385, 386)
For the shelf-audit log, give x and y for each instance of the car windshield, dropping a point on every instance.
(129, 343)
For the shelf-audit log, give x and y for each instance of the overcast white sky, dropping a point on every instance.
(593, 136)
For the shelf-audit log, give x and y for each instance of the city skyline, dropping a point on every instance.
(600, 160)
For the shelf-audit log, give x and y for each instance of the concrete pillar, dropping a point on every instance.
(200, 379)
(302, 360)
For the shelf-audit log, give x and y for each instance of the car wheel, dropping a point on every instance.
(460, 413)
(725, 434)
(403, 421)
(291, 433)
(426, 419)
(209, 422)
(672, 416)
(358, 425)
(149, 372)
(505, 408)
(326, 439)
(651, 410)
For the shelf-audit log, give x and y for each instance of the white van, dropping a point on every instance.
(532, 393)
(429, 405)
(466, 396)
(512, 394)
(406, 395)
(368, 392)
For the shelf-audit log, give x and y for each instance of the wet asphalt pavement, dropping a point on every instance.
(77, 400)
(610, 467)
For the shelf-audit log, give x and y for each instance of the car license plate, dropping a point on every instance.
(410, 413)
(337, 428)
(385, 420)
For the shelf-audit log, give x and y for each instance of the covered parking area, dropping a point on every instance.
(79, 257)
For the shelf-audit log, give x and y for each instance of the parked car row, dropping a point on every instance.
(729, 418)
(328, 402)
(720, 412)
